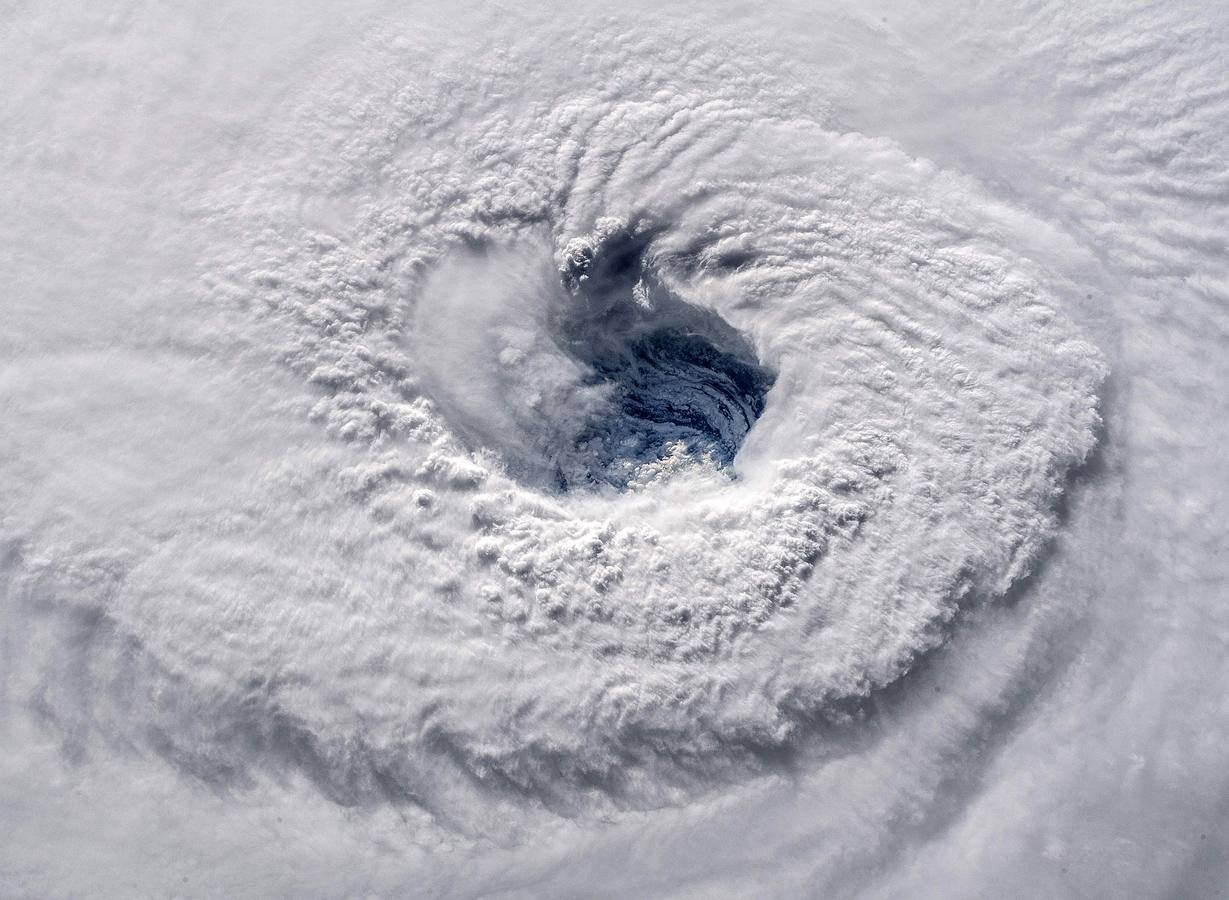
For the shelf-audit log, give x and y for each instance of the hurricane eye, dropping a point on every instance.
(681, 380)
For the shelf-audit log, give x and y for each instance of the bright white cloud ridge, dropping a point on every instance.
(607, 451)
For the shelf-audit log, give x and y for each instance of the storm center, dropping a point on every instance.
(581, 378)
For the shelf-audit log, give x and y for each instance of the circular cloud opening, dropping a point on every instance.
(589, 377)
(680, 380)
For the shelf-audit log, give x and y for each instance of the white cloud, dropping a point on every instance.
(298, 508)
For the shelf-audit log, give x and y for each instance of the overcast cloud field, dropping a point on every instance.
(614, 450)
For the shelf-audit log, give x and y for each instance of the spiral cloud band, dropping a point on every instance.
(481, 452)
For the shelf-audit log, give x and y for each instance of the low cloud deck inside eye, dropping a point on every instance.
(681, 377)
(672, 388)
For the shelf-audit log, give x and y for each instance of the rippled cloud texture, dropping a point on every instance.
(614, 452)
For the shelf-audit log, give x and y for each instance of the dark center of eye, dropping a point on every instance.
(681, 378)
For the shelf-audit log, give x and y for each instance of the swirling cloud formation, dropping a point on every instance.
(510, 448)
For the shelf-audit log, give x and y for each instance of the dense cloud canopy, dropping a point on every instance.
(614, 452)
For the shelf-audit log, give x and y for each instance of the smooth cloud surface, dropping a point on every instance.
(610, 452)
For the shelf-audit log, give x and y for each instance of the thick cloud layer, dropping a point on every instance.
(487, 452)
